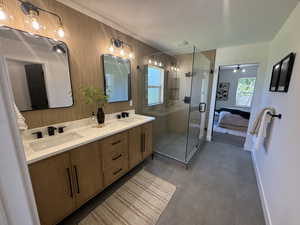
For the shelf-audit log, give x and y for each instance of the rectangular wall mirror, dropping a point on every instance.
(38, 69)
(117, 73)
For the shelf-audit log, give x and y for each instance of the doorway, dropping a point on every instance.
(235, 91)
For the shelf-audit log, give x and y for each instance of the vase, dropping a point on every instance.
(100, 116)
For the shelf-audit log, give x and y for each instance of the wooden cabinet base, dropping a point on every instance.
(65, 182)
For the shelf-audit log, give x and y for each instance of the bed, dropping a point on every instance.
(231, 121)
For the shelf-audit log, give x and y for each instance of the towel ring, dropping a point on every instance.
(279, 116)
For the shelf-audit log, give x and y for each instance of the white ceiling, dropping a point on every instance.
(207, 24)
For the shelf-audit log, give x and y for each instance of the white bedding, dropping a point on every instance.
(217, 128)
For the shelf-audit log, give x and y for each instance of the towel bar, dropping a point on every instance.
(279, 116)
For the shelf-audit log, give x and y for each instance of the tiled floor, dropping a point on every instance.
(218, 189)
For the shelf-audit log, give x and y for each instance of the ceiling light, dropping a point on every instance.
(122, 52)
(3, 15)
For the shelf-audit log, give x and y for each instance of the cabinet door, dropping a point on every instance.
(147, 149)
(135, 147)
(87, 172)
(52, 185)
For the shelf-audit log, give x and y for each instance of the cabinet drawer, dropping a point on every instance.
(113, 149)
(119, 168)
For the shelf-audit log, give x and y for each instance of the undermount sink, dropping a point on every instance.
(53, 141)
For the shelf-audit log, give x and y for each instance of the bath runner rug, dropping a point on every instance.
(140, 201)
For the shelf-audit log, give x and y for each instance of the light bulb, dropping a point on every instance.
(160, 64)
(61, 32)
(172, 68)
(155, 63)
(2, 14)
(150, 61)
(111, 49)
(130, 55)
(235, 70)
(35, 24)
(177, 69)
(122, 52)
(244, 70)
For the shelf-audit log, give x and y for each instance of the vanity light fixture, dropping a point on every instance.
(111, 49)
(160, 64)
(33, 12)
(155, 63)
(243, 70)
(3, 15)
(122, 52)
(149, 61)
(116, 43)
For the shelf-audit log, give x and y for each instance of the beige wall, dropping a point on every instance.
(87, 40)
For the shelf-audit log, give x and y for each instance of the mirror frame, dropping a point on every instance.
(129, 78)
(68, 56)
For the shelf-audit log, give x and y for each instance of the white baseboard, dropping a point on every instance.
(263, 199)
(208, 138)
(248, 147)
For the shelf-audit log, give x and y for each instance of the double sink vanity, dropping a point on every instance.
(71, 162)
(70, 168)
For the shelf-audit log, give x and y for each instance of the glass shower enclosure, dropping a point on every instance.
(174, 90)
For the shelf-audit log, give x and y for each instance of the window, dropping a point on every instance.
(245, 91)
(155, 85)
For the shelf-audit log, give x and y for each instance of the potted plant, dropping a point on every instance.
(96, 96)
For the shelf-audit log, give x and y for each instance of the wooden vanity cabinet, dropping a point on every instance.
(65, 182)
(140, 144)
(147, 148)
(114, 157)
(53, 188)
(87, 172)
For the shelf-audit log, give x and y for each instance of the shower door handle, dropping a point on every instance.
(202, 107)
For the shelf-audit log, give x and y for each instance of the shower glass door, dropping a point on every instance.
(172, 89)
(196, 134)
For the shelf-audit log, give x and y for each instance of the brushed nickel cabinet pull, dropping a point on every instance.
(119, 156)
(76, 176)
(115, 143)
(70, 182)
(118, 171)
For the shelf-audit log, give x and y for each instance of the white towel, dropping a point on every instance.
(262, 132)
(20, 119)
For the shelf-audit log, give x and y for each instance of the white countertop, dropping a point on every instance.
(86, 134)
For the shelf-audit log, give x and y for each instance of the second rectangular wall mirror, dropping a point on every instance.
(117, 73)
(38, 70)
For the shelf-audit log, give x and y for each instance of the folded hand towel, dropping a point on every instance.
(260, 125)
(257, 123)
